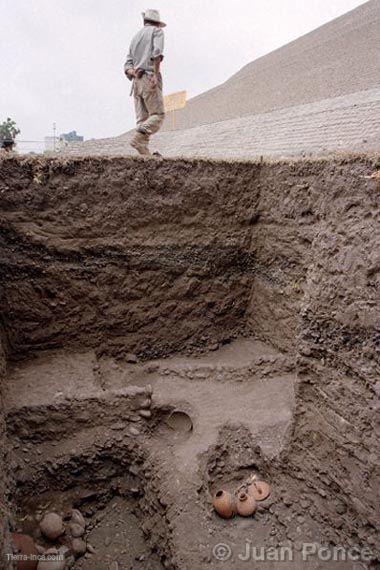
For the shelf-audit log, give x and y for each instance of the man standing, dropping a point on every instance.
(143, 68)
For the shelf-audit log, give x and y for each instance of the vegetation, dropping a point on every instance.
(8, 130)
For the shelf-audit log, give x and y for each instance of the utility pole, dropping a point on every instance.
(54, 131)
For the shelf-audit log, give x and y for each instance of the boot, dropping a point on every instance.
(140, 143)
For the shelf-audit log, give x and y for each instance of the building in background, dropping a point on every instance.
(53, 143)
(71, 137)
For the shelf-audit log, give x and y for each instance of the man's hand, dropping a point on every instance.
(130, 72)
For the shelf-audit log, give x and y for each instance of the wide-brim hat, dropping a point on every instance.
(153, 16)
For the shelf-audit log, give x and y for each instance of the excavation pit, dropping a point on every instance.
(173, 327)
(108, 485)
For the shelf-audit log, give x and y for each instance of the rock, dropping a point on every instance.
(76, 530)
(134, 418)
(107, 541)
(84, 496)
(118, 426)
(78, 547)
(70, 561)
(24, 544)
(57, 563)
(78, 518)
(340, 508)
(133, 431)
(52, 526)
(146, 403)
(113, 566)
(287, 500)
(91, 549)
(131, 358)
(145, 413)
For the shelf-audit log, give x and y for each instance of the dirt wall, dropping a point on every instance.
(339, 363)
(125, 256)
(4, 542)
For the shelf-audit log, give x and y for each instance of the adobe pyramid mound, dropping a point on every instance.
(339, 58)
(318, 95)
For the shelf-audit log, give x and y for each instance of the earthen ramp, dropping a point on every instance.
(173, 327)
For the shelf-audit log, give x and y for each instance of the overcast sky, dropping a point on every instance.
(62, 60)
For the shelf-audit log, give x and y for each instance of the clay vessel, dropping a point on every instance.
(224, 504)
(24, 544)
(245, 504)
(259, 490)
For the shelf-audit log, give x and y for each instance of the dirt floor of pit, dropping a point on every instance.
(227, 418)
(246, 382)
(114, 528)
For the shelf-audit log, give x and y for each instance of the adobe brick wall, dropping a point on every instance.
(343, 124)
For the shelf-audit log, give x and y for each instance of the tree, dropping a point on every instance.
(9, 130)
(8, 133)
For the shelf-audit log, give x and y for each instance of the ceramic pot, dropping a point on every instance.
(24, 544)
(259, 490)
(224, 504)
(245, 504)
